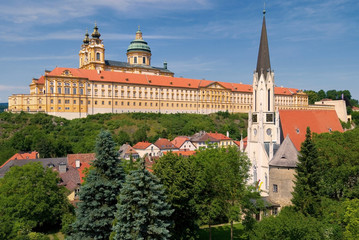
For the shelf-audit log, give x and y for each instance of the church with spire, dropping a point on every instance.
(275, 134)
(263, 129)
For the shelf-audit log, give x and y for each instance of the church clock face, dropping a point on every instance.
(269, 131)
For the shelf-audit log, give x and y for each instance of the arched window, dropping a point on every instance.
(135, 60)
(144, 60)
(98, 56)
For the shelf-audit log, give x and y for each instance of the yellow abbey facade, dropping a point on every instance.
(105, 86)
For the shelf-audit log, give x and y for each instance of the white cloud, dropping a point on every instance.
(56, 11)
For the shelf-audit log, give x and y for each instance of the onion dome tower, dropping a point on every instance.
(86, 40)
(92, 53)
(138, 52)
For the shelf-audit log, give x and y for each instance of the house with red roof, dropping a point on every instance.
(203, 139)
(147, 148)
(224, 141)
(183, 143)
(165, 145)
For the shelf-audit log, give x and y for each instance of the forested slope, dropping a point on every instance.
(55, 137)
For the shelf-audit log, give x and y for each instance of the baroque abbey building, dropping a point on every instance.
(107, 86)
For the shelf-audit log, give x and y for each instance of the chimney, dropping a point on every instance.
(78, 163)
(62, 167)
(227, 134)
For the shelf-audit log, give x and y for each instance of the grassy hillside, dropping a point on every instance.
(55, 137)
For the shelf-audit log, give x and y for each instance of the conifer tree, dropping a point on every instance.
(98, 196)
(306, 190)
(142, 211)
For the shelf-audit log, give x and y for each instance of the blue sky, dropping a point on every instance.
(314, 44)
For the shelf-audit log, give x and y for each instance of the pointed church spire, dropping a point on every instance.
(263, 62)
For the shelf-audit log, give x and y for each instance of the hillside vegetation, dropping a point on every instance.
(55, 137)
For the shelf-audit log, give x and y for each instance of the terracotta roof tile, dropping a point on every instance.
(179, 141)
(83, 157)
(295, 122)
(163, 143)
(143, 79)
(218, 136)
(22, 156)
(82, 170)
(142, 145)
(25, 155)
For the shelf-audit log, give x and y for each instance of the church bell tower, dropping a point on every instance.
(92, 53)
(263, 127)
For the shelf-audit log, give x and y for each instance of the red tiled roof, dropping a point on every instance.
(142, 145)
(22, 156)
(83, 157)
(82, 170)
(153, 80)
(25, 155)
(41, 80)
(182, 152)
(219, 136)
(163, 143)
(179, 141)
(295, 123)
(355, 109)
(284, 91)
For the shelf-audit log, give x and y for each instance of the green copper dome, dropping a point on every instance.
(138, 45)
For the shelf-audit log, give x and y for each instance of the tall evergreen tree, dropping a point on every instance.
(142, 211)
(306, 190)
(98, 196)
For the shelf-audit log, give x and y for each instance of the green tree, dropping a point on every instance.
(30, 199)
(307, 179)
(312, 96)
(339, 161)
(233, 177)
(351, 219)
(178, 175)
(321, 94)
(142, 211)
(95, 212)
(290, 225)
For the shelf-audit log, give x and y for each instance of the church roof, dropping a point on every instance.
(295, 122)
(263, 61)
(286, 155)
(154, 80)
